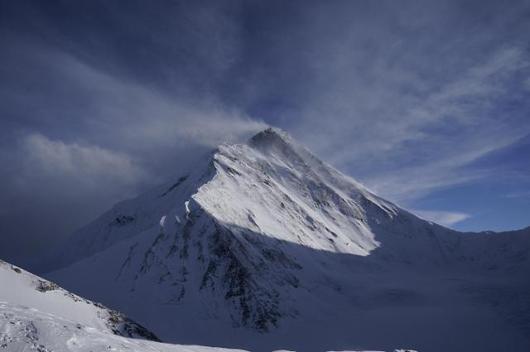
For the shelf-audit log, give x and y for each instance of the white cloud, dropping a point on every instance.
(85, 166)
(445, 218)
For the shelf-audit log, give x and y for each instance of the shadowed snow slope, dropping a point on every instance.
(263, 246)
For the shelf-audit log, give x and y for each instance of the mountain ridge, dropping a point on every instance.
(261, 236)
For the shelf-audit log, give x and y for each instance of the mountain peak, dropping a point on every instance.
(279, 143)
(263, 236)
(271, 136)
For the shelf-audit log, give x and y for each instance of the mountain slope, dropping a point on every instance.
(263, 246)
(36, 314)
(23, 328)
(22, 288)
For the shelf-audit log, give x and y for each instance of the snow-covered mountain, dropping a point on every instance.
(263, 246)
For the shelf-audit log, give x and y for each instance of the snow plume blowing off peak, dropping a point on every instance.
(263, 246)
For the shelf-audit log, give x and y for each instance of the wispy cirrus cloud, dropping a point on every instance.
(522, 194)
(404, 98)
(439, 133)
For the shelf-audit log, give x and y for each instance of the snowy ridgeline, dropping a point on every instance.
(262, 246)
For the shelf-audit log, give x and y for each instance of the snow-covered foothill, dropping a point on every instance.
(21, 288)
(38, 315)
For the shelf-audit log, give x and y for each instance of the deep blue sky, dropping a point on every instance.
(426, 102)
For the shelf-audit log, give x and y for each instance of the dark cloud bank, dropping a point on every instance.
(103, 99)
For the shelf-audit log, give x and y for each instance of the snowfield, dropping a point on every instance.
(261, 246)
(28, 329)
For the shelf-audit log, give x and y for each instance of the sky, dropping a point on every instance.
(425, 102)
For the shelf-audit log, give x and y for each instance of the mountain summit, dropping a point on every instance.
(261, 245)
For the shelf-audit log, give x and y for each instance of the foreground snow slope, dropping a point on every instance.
(21, 288)
(264, 246)
(28, 329)
(36, 314)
